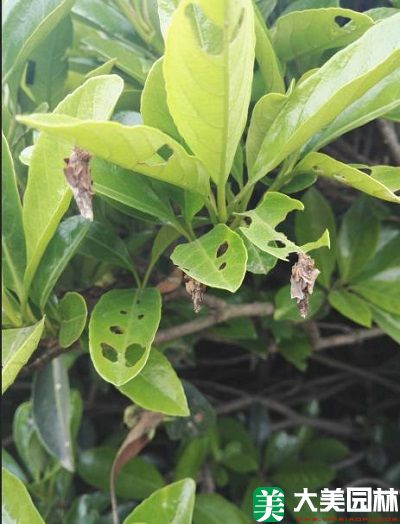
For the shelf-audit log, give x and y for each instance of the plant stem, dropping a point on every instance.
(221, 203)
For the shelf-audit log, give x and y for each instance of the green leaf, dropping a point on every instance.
(217, 259)
(17, 347)
(30, 450)
(286, 309)
(121, 330)
(298, 475)
(388, 322)
(313, 31)
(208, 69)
(299, 5)
(166, 9)
(387, 175)
(136, 480)
(13, 240)
(73, 313)
(266, 57)
(211, 508)
(157, 387)
(46, 182)
(281, 448)
(325, 449)
(131, 59)
(266, 216)
(351, 306)
(59, 252)
(316, 218)
(25, 26)
(140, 148)
(192, 458)
(174, 503)
(154, 107)
(51, 411)
(324, 165)
(357, 239)
(296, 350)
(382, 290)
(381, 98)
(17, 506)
(102, 243)
(258, 262)
(50, 64)
(322, 96)
(11, 465)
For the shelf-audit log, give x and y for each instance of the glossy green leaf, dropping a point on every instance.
(351, 306)
(30, 450)
(25, 26)
(12, 238)
(286, 309)
(211, 508)
(59, 252)
(10, 464)
(299, 5)
(266, 56)
(382, 290)
(266, 216)
(87, 508)
(136, 480)
(17, 506)
(388, 322)
(324, 165)
(121, 330)
(381, 98)
(131, 59)
(50, 65)
(157, 387)
(387, 175)
(210, 110)
(102, 243)
(95, 99)
(16, 348)
(51, 411)
(217, 259)
(317, 100)
(73, 314)
(316, 218)
(174, 503)
(325, 449)
(140, 148)
(192, 458)
(357, 239)
(154, 107)
(258, 262)
(313, 31)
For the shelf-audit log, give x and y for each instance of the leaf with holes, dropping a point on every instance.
(73, 313)
(121, 330)
(208, 70)
(157, 387)
(324, 165)
(140, 148)
(263, 221)
(217, 259)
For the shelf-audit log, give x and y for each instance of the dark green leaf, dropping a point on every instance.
(192, 458)
(325, 449)
(11, 465)
(211, 508)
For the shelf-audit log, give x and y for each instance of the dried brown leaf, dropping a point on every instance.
(304, 275)
(77, 173)
(196, 290)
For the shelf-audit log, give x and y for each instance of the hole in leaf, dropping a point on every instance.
(279, 243)
(140, 316)
(133, 354)
(222, 248)
(209, 36)
(117, 330)
(109, 352)
(247, 221)
(165, 152)
(222, 266)
(123, 312)
(237, 27)
(30, 73)
(366, 170)
(342, 20)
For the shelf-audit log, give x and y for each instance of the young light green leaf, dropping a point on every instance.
(313, 31)
(16, 348)
(324, 165)
(217, 259)
(59, 252)
(387, 175)
(140, 148)
(316, 218)
(323, 95)
(17, 506)
(154, 107)
(258, 262)
(351, 306)
(266, 216)
(73, 314)
(211, 508)
(95, 99)
(51, 411)
(210, 110)
(12, 236)
(25, 26)
(157, 387)
(174, 502)
(121, 331)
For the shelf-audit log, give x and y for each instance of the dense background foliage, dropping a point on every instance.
(90, 364)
